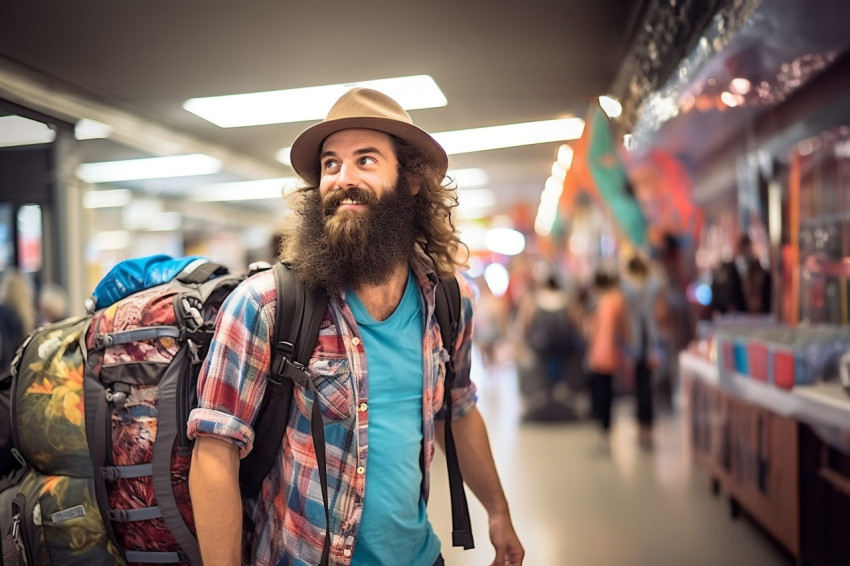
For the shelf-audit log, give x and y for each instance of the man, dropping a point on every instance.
(374, 229)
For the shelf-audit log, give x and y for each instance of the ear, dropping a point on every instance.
(415, 186)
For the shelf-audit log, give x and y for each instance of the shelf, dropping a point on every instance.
(818, 404)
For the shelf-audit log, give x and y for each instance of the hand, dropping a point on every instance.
(509, 551)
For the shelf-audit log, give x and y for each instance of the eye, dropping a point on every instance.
(367, 160)
(329, 164)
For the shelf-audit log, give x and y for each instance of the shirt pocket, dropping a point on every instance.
(331, 374)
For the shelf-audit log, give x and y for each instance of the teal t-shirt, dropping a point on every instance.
(395, 528)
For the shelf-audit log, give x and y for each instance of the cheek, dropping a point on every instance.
(325, 185)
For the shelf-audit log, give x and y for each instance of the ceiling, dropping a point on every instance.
(497, 62)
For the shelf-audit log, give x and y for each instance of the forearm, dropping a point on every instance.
(216, 501)
(479, 473)
(476, 460)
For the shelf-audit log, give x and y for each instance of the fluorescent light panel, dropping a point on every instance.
(611, 106)
(510, 135)
(245, 190)
(470, 178)
(309, 103)
(149, 168)
(16, 130)
(498, 137)
(476, 198)
(107, 199)
(86, 129)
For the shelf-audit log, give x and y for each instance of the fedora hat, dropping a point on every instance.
(368, 109)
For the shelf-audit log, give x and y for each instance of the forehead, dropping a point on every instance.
(355, 139)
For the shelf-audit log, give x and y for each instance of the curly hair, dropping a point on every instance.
(437, 234)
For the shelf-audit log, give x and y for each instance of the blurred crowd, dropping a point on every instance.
(578, 344)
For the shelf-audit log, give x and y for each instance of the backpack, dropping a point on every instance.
(99, 407)
(553, 333)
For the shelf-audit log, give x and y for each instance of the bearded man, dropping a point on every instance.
(374, 231)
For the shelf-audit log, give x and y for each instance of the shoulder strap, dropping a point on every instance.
(448, 306)
(293, 344)
(299, 314)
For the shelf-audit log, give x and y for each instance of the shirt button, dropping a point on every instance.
(362, 407)
(360, 470)
(355, 341)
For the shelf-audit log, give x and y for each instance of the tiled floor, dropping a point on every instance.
(574, 507)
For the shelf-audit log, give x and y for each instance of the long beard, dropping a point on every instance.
(333, 248)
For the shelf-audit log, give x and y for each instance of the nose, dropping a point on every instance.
(348, 177)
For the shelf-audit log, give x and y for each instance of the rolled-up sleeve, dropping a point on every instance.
(233, 377)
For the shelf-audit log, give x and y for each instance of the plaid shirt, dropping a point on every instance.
(289, 517)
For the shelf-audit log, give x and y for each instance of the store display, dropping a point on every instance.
(783, 356)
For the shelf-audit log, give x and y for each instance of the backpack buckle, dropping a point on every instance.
(297, 372)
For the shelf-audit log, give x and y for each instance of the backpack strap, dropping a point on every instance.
(447, 309)
(200, 270)
(294, 341)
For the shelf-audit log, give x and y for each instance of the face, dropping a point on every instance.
(363, 219)
(357, 159)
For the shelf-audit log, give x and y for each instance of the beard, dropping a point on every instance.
(331, 248)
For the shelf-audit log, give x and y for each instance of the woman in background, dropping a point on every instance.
(608, 333)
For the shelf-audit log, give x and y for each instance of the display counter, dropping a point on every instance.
(820, 404)
(765, 447)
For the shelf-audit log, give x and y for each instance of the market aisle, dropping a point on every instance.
(574, 507)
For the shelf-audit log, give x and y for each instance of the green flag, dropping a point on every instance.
(610, 178)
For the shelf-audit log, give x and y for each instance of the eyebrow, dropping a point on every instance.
(362, 151)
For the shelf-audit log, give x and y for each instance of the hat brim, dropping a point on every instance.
(304, 154)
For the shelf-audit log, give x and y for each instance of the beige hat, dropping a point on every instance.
(368, 109)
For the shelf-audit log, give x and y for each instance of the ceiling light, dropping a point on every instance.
(498, 137)
(150, 168)
(16, 130)
(87, 129)
(497, 278)
(611, 106)
(310, 103)
(107, 199)
(505, 241)
(246, 190)
(509, 135)
(476, 198)
(559, 172)
(731, 100)
(565, 156)
(739, 86)
(468, 178)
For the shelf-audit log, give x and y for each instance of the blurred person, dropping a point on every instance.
(52, 303)
(17, 314)
(491, 324)
(555, 346)
(676, 319)
(11, 336)
(756, 285)
(374, 229)
(740, 284)
(609, 333)
(16, 293)
(642, 294)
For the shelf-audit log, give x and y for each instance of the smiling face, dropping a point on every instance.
(356, 159)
